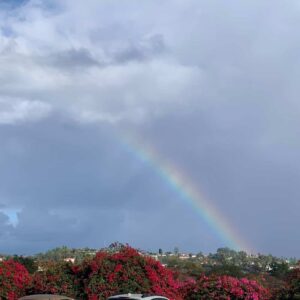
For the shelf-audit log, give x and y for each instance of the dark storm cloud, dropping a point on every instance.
(252, 180)
(146, 49)
(71, 58)
(77, 185)
(211, 85)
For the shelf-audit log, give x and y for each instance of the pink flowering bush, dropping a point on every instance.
(125, 271)
(128, 271)
(14, 279)
(223, 287)
(56, 278)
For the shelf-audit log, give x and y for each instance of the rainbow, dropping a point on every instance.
(187, 191)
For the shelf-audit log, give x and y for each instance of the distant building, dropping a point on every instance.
(41, 269)
(154, 256)
(184, 256)
(70, 259)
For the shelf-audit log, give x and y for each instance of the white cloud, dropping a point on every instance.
(14, 110)
(109, 61)
(85, 69)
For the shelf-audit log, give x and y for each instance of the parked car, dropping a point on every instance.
(137, 297)
(45, 297)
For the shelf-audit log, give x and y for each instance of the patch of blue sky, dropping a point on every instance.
(10, 4)
(49, 6)
(12, 215)
(7, 31)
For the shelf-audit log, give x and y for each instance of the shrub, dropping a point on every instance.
(291, 290)
(55, 278)
(223, 287)
(27, 262)
(125, 271)
(106, 274)
(14, 278)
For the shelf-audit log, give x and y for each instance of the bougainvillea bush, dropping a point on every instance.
(123, 271)
(14, 279)
(106, 274)
(291, 290)
(55, 278)
(223, 287)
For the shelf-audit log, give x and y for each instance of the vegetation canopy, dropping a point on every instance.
(121, 269)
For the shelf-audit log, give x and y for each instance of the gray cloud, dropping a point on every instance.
(151, 47)
(14, 110)
(211, 85)
(70, 59)
(79, 186)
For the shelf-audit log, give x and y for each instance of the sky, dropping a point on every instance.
(211, 85)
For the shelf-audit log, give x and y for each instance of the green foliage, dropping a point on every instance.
(291, 290)
(227, 269)
(279, 269)
(185, 268)
(61, 253)
(113, 271)
(176, 250)
(56, 254)
(28, 262)
(54, 278)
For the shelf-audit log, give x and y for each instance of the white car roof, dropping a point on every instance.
(137, 297)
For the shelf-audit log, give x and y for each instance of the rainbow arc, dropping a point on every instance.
(183, 186)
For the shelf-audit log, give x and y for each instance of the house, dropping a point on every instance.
(70, 259)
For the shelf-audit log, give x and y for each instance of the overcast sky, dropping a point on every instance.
(212, 85)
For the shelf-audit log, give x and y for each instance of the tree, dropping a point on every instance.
(263, 262)
(227, 269)
(279, 269)
(225, 255)
(292, 287)
(56, 254)
(176, 250)
(200, 255)
(27, 262)
(55, 278)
